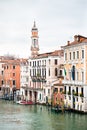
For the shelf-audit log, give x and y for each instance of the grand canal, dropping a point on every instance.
(19, 117)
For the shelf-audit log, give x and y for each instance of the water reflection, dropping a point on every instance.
(18, 117)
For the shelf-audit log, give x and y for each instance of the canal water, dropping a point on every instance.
(36, 117)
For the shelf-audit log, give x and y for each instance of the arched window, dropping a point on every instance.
(55, 71)
(73, 72)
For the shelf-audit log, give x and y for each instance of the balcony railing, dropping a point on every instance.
(38, 78)
(81, 95)
(60, 76)
(34, 88)
(72, 82)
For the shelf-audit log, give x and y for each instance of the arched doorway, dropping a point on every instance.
(35, 97)
(30, 94)
(73, 99)
(13, 96)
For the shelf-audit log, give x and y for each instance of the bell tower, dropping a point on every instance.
(34, 38)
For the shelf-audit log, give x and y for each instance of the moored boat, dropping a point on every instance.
(23, 102)
(58, 109)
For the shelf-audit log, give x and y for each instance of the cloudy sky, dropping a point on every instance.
(57, 21)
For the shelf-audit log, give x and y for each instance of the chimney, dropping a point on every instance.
(75, 38)
(68, 43)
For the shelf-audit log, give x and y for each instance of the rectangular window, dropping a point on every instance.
(77, 99)
(30, 83)
(33, 63)
(7, 66)
(69, 97)
(2, 72)
(13, 66)
(30, 72)
(61, 89)
(33, 72)
(70, 55)
(45, 62)
(30, 63)
(55, 61)
(70, 75)
(13, 82)
(45, 72)
(77, 54)
(27, 79)
(65, 56)
(26, 92)
(77, 75)
(82, 76)
(48, 91)
(2, 82)
(13, 74)
(77, 91)
(55, 71)
(69, 90)
(44, 91)
(65, 89)
(49, 61)
(73, 55)
(49, 72)
(26, 69)
(82, 91)
(55, 90)
(37, 63)
(82, 54)
(60, 73)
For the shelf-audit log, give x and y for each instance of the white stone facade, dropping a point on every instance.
(24, 78)
(43, 73)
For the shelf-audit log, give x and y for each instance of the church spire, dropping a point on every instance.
(34, 24)
(34, 38)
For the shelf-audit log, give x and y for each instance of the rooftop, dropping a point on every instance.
(78, 39)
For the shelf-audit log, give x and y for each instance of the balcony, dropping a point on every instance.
(38, 78)
(34, 88)
(60, 76)
(71, 82)
(81, 95)
(24, 86)
(75, 94)
(69, 93)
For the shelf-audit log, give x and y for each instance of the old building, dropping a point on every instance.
(24, 79)
(75, 82)
(9, 76)
(58, 88)
(43, 71)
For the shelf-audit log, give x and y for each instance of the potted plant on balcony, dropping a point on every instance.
(69, 93)
(63, 92)
(81, 94)
(75, 94)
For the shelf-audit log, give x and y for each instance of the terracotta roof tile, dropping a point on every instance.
(78, 39)
(54, 53)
